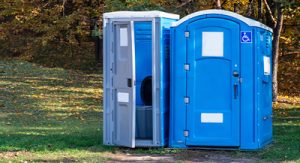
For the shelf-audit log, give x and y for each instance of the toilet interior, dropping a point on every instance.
(143, 69)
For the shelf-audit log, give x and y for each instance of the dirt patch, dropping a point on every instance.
(212, 156)
(188, 156)
(140, 158)
(12, 154)
(185, 156)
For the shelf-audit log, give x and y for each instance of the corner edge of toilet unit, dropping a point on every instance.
(221, 82)
(136, 78)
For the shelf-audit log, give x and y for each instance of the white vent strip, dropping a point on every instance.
(211, 118)
(267, 65)
(123, 37)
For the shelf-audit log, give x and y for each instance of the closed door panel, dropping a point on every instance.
(213, 83)
(123, 82)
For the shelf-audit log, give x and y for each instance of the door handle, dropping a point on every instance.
(235, 74)
(129, 82)
(235, 91)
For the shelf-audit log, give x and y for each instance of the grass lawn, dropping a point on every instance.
(52, 114)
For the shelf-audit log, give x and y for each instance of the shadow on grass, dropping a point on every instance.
(49, 109)
(45, 109)
(51, 130)
(286, 135)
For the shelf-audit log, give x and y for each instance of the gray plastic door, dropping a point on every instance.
(124, 84)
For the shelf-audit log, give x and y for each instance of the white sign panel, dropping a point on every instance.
(123, 37)
(212, 44)
(123, 97)
(211, 118)
(267, 65)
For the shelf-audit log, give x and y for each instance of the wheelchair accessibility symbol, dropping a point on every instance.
(246, 37)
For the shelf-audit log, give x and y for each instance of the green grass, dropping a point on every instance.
(286, 144)
(47, 110)
(53, 114)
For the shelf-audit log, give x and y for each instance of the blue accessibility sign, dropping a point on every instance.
(246, 37)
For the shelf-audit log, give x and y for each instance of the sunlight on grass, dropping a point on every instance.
(48, 109)
(52, 114)
(290, 123)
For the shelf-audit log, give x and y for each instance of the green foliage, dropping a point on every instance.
(40, 29)
(289, 62)
(58, 33)
(133, 5)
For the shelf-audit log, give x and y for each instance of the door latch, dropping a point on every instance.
(186, 67)
(187, 34)
(129, 82)
(235, 74)
(185, 133)
(186, 100)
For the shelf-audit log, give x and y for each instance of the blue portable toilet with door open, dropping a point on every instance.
(136, 78)
(221, 82)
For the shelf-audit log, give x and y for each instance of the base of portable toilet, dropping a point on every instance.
(136, 53)
(144, 122)
(221, 82)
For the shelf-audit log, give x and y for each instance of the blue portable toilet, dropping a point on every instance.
(136, 78)
(221, 82)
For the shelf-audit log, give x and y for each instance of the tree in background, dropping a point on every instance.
(272, 13)
(276, 16)
(58, 33)
(277, 24)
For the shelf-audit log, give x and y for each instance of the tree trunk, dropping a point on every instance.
(250, 8)
(270, 9)
(63, 7)
(101, 5)
(277, 33)
(218, 4)
(259, 12)
(235, 8)
(98, 49)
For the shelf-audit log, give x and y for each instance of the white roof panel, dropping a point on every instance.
(140, 14)
(248, 21)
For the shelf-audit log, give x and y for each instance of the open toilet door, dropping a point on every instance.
(124, 84)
